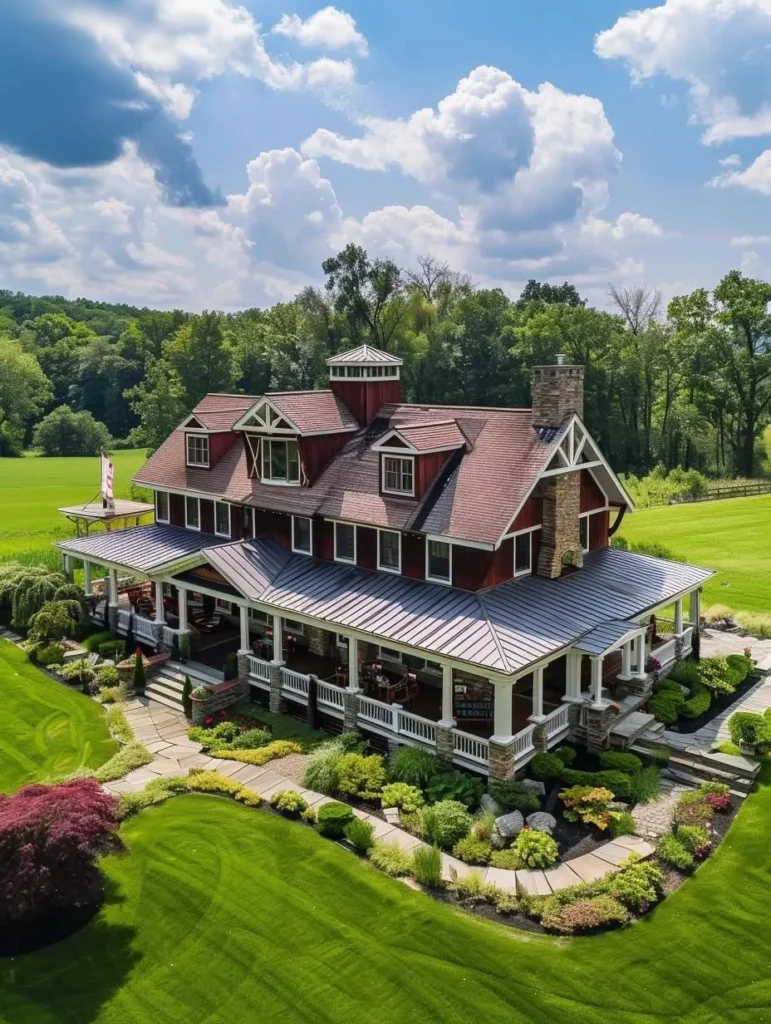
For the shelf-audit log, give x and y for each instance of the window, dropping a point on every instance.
(389, 551)
(293, 626)
(342, 640)
(192, 513)
(438, 561)
(280, 462)
(389, 654)
(397, 475)
(225, 606)
(523, 554)
(222, 518)
(259, 616)
(161, 507)
(345, 542)
(197, 450)
(301, 535)
(583, 532)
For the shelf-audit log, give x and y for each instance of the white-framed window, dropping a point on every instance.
(342, 640)
(439, 561)
(222, 518)
(583, 532)
(345, 542)
(280, 461)
(197, 446)
(248, 522)
(302, 535)
(398, 475)
(161, 506)
(257, 615)
(523, 553)
(293, 626)
(389, 550)
(192, 513)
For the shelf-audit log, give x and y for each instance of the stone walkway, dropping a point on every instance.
(653, 820)
(717, 643)
(757, 699)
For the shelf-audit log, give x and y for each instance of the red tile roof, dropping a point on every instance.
(314, 411)
(426, 437)
(220, 412)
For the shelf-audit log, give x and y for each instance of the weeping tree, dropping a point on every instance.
(24, 589)
(56, 620)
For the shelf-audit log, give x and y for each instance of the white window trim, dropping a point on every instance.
(227, 506)
(158, 519)
(195, 434)
(389, 657)
(386, 490)
(586, 516)
(188, 498)
(438, 579)
(298, 627)
(342, 640)
(387, 568)
(521, 533)
(223, 605)
(585, 550)
(269, 480)
(347, 561)
(301, 551)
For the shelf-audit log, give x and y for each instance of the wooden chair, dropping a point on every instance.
(341, 675)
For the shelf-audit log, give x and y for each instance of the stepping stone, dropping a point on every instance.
(562, 877)
(382, 829)
(228, 768)
(452, 864)
(363, 815)
(140, 776)
(403, 839)
(534, 883)
(164, 766)
(504, 878)
(612, 853)
(628, 841)
(195, 761)
(279, 787)
(248, 773)
(266, 782)
(590, 868)
(392, 815)
(157, 746)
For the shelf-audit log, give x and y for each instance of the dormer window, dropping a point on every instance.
(398, 475)
(197, 446)
(280, 461)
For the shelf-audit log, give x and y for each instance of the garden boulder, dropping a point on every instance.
(506, 828)
(487, 803)
(542, 822)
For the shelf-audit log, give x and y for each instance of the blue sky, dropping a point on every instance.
(202, 153)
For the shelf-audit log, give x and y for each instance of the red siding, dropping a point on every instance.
(366, 547)
(236, 522)
(473, 569)
(598, 531)
(427, 468)
(529, 516)
(323, 539)
(365, 397)
(277, 525)
(414, 556)
(315, 452)
(591, 494)
(177, 509)
(207, 516)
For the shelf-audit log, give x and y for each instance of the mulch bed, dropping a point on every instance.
(719, 705)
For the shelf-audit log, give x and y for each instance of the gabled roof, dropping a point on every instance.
(365, 355)
(145, 549)
(442, 435)
(220, 412)
(304, 412)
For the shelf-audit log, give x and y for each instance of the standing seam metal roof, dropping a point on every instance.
(143, 548)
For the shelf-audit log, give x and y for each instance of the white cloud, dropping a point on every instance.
(756, 177)
(732, 160)
(742, 241)
(719, 48)
(327, 29)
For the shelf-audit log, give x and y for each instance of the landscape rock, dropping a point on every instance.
(542, 822)
(506, 828)
(488, 804)
(535, 785)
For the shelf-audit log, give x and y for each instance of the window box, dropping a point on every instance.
(345, 543)
(197, 449)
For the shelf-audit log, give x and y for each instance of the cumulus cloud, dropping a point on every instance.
(757, 176)
(719, 48)
(328, 29)
(742, 241)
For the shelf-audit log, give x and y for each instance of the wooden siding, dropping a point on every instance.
(366, 547)
(207, 516)
(323, 539)
(277, 525)
(414, 556)
(364, 397)
(177, 509)
(315, 452)
(598, 530)
(473, 569)
(530, 515)
(591, 494)
(427, 468)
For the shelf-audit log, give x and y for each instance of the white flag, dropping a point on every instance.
(107, 474)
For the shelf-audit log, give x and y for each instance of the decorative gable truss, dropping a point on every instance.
(267, 419)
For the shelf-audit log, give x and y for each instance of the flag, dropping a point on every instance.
(107, 475)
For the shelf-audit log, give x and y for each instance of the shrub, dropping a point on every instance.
(566, 754)
(402, 795)
(749, 728)
(113, 650)
(717, 613)
(118, 725)
(473, 850)
(289, 802)
(444, 823)
(645, 785)
(50, 654)
(360, 834)
(200, 781)
(667, 683)
(515, 796)
(132, 755)
(588, 804)
(718, 801)
(535, 849)
(505, 859)
(756, 623)
(390, 858)
(547, 767)
(617, 760)
(472, 888)
(414, 766)
(309, 815)
(187, 704)
(714, 787)
(93, 642)
(672, 851)
(322, 770)
(50, 840)
(740, 666)
(56, 620)
(483, 823)
(108, 675)
(692, 809)
(361, 776)
(695, 838)
(352, 742)
(586, 915)
(200, 693)
(455, 785)
(220, 736)
(110, 694)
(617, 782)
(666, 705)
(699, 702)
(250, 739)
(332, 818)
(685, 672)
(271, 751)
(622, 824)
(716, 674)
(427, 866)
(637, 885)
(78, 672)
(140, 676)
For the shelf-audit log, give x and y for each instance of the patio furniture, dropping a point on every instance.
(341, 675)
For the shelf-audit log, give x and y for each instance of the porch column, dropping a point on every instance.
(159, 616)
(694, 614)
(182, 603)
(597, 660)
(626, 660)
(67, 567)
(447, 708)
(244, 613)
(112, 584)
(87, 587)
(573, 676)
(679, 617)
(353, 663)
(278, 640)
(638, 657)
(537, 715)
(502, 702)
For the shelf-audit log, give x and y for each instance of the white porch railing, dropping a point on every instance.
(470, 748)
(665, 652)
(523, 742)
(381, 714)
(687, 640)
(143, 629)
(123, 620)
(417, 728)
(259, 670)
(330, 698)
(294, 685)
(557, 721)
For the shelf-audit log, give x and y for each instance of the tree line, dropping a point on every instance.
(686, 386)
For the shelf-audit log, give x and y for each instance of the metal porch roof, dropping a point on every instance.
(608, 636)
(142, 548)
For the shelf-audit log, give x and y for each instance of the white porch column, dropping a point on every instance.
(87, 586)
(693, 609)
(67, 566)
(638, 657)
(502, 710)
(244, 612)
(353, 663)
(447, 708)
(573, 676)
(182, 604)
(278, 640)
(597, 661)
(679, 617)
(159, 616)
(112, 584)
(537, 715)
(626, 660)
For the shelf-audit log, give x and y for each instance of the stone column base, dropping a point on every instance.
(274, 702)
(540, 739)
(350, 709)
(599, 722)
(679, 644)
(501, 760)
(112, 617)
(243, 669)
(160, 643)
(444, 745)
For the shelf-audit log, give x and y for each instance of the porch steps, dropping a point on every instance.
(695, 765)
(166, 687)
(626, 731)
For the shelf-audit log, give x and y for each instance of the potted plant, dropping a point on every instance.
(184, 647)
(749, 730)
(140, 676)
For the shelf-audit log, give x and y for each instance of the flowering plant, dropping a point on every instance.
(652, 664)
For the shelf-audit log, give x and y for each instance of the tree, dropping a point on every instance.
(24, 589)
(187, 689)
(56, 620)
(159, 402)
(364, 293)
(639, 305)
(560, 294)
(24, 390)
(58, 343)
(64, 432)
(200, 358)
(50, 839)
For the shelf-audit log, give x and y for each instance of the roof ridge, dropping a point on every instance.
(463, 408)
(480, 595)
(305, 391)
(428, 423)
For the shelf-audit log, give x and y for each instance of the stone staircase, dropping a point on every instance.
(632, 723)
(694, 765)
(166, 686)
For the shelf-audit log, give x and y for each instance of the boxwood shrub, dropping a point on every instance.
(618, 760)
(617, 782)
(547, 767)
(666, 705)
(332, 819)
(699, 702)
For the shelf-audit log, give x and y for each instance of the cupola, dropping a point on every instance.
(364, 379)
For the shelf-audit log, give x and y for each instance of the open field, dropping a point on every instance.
(31, 490)
(48, 731)
(223, 914)
(732, 536)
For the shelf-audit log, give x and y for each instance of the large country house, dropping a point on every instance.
(439, 575)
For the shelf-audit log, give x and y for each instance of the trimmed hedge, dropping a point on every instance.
(699, 702)
(666, 706)
(617, 760)
(332, 819)
(617, 782)
(547, 767)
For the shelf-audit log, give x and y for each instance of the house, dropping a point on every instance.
(439, 575)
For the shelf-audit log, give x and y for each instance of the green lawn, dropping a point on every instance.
(48, 731)
(32, 489)
(225, 915)
(732, 536)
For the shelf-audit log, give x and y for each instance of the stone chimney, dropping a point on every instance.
(558, 392)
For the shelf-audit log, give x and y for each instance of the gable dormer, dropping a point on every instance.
(413, 454)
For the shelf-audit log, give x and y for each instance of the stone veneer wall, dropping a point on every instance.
(558, 391)
(559, 533)
(224, 698)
